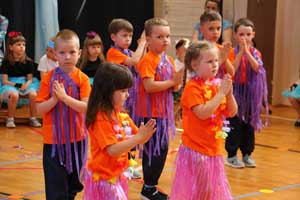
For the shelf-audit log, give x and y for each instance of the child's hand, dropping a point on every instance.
(178, 77)
(226, 49)
(142, 38)
(59, 91)
(226, 85)
(23, 87)
(146, 131)
(229, 78)
(243, 45)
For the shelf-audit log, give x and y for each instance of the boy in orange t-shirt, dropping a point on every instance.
(205, 102)
(62, 99)
(159, 78)
(211, 27)
(121, 32)
(112, 134)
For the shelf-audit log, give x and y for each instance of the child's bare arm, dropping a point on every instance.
(253, 62)
(60, 93)
(152, 85)
(204, 111)
(46, 106)
(132, 61)
(143, 135)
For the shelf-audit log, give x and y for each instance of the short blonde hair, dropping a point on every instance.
(67, 35)
(154, 22)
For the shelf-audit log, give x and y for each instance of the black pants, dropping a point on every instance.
(241, 136)
(153, 171)
(59, 184)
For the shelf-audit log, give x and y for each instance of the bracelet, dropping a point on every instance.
(18, 85)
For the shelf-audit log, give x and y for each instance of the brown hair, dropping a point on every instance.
(116, 25)
(182, 42)
(154, 22)
(243, 22)
(209, 16)
(95, 39)
(215, 1)
(14, 37)
(194, 51)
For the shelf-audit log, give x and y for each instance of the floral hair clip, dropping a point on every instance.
(13, 34)
(91, 34)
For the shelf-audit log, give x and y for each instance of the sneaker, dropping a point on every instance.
(152, 194)
(135, 174)
(34, 123)
(234, 162)
(297, 123)
(132, 173)
(10, 123)
(249, 162)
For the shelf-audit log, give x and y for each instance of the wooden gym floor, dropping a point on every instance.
(277, 153)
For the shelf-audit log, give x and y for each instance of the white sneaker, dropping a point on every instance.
(34, 123)
(10, 123)
(234, 162)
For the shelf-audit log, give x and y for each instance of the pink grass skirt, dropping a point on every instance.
(94, 190)
(199, 177)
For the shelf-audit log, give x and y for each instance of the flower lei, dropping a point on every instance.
(210, 90)
(13, 34)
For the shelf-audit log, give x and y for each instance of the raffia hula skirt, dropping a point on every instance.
(199, 177)
(103, 189)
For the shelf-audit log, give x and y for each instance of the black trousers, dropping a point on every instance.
(241, 137)
(153, 171)
(58, 183)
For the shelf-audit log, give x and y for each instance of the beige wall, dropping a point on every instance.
(287, 48)
(181, 15)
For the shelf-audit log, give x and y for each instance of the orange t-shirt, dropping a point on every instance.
(115, 56)
(104, 133)
(82, 81)
(200, 135)
(147, 69)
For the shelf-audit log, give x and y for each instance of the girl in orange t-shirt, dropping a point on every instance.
(112, 134)
(205, 102)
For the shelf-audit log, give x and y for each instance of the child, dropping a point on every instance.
(92, 55)
(210, 26)
(250, 92)
(180, 46)
(17, 78)
(112, 134)
(214, 5)
(121, 31)
(205, 102)
(48, 61)
(293, 94)
(62, 99)
(159, 78)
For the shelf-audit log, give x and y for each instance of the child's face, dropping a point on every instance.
(50, 53)
(245, 33)
(180, 52)
(94, 50)
(67, 52)
(18, 49)
(119, 97)
(206, 65)
(122, 39)
(211, 30)
(210, 5)
(159, 39)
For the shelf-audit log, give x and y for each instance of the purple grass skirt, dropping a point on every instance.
(103, 189)
(199, 177)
